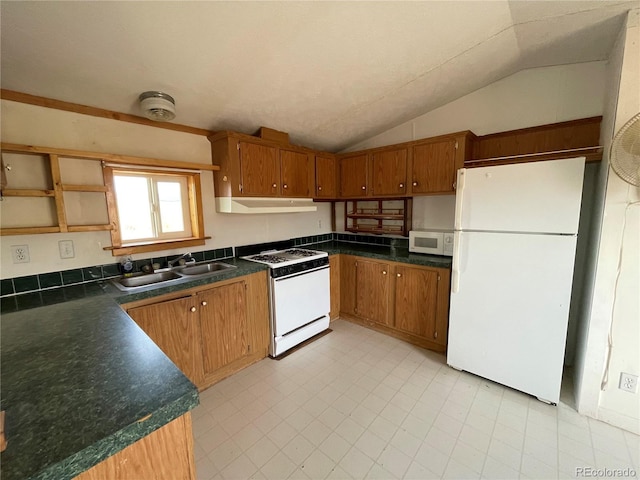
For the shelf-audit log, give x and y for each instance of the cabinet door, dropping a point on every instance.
(297, 174)
(353, 176)
(348, 284)
(334, 285)
(173, 326)
(389, 172)
(259, 169)
(372, 290)
(223, 322)
(416, 301)
(326, 177)
(434, 167)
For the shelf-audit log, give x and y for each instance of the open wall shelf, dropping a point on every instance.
(390, 216)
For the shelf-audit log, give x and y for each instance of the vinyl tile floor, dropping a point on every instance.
(358, 404)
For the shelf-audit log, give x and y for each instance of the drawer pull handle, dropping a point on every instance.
(285, 186)
(415, 184)
(204, 304)
(398, 275)
(384, 272)
(364, 188)
(193, 309)
(274, 185)
(401, 185)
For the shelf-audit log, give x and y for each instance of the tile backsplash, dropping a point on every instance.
(45, 281)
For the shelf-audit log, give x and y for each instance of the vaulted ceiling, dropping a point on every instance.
(329, 73)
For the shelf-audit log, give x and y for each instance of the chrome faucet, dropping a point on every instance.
(175, 261)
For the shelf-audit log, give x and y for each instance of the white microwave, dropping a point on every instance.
(435, 242)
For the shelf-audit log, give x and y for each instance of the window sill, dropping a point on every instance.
(155, 246)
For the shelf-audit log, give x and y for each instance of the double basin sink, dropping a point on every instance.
(173, 275)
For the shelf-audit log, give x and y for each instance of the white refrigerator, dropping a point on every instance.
(514, 249)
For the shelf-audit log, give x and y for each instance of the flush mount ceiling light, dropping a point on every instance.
(158, 106)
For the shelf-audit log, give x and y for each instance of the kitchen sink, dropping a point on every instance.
(167, 277)
(142, 280)
(205, 268)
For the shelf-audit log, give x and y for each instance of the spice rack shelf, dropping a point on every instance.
(378, 216)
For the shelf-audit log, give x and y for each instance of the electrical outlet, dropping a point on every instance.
(20, 253)
(628, 382)
(66, 249)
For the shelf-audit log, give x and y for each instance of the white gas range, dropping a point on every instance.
(299, 295)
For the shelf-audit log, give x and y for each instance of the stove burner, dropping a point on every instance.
(299, 252)
(268, 258)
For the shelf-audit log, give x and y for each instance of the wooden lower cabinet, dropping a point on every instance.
(372, 290)
(416, 302)
(223, 323)
(410, 302)
(348, 284)
(173, 326)
(210, 332)
(334, 286)
(164, 453)
(364, 288)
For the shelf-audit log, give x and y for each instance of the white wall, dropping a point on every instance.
(614, 309)
(32, 125)
(531, 97)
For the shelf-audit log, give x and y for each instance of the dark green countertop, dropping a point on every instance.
(78, 374)
(380, 252)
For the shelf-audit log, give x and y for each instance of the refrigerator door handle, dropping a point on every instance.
(455, 262)
(459, 197)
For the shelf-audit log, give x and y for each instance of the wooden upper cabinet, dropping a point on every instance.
(353, 176)
(297, 174)
(326, 177)
(416, 301)
(389, 172)
(259, 169)
(434, 167)
(223, 322)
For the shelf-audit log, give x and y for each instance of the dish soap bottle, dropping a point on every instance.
(126, 266)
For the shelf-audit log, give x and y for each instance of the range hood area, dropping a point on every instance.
(248, 205)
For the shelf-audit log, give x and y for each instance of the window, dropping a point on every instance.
(152, 210)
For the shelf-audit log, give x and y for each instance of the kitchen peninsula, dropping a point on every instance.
(81, 382)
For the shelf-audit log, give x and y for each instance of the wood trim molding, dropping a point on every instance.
(564, 138)
(591, 154)
(108, 157)
(58, 193)
(156, 247)
(28, 230)
(96, 112)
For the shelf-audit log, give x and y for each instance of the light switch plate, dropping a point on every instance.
(66, 249)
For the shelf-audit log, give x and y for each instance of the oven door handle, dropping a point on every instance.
(304, 272)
